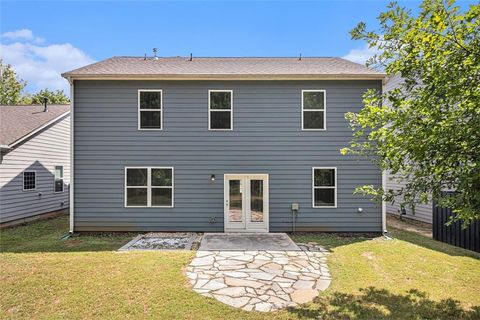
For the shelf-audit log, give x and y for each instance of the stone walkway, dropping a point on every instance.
(260, 280)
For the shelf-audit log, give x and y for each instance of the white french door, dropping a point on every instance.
(246, 202)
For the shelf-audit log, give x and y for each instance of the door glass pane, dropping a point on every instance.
(235, 203)
(256, 200)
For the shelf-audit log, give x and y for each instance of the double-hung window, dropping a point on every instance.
(220, 110)
(29, 180)
(149, 187)
(324, 189)
(314, 105)
(149, 109)
(58, 180)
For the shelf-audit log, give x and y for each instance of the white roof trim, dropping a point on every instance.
(27, 136)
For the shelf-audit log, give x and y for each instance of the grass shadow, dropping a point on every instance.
(372, 303)
(429, 243)
(332, 240)
(45, 236)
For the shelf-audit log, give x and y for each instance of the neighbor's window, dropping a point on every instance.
(313, 109)
(58, 179)
(220, 110)
(29, 180)
(149, 187)
(149, 109)
(324, 187)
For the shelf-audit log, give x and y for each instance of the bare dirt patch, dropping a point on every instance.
(421, 228)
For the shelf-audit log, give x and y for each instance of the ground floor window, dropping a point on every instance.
(324, 187)
(58, 184)
(149, 187)
(29, 180)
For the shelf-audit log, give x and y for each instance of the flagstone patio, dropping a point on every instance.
(261, 280)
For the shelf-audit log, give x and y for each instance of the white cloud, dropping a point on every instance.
(22, 34)
(41, 65)
(361, 55)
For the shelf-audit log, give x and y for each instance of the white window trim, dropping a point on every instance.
(149, 187)
(215, 110)
(323, 187)
(55, 178)
(23, 180)
(161, 109)
(324, 110)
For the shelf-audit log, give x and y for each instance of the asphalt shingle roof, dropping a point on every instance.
(18, 121)
(203, 66)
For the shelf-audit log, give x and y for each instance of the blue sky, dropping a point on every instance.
(42, 39)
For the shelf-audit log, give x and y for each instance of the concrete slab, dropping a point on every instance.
(247, 241)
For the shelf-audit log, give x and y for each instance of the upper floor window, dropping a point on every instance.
(220, 110)
(314, 109)
(149, 109)
(324, 187)
(149, 187)
(58, 184)
(29, 180)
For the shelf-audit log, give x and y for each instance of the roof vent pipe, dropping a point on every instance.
(300, 57)
(45, 100)
(191, 57)
(155, 53)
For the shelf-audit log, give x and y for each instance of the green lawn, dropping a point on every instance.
(411, 277)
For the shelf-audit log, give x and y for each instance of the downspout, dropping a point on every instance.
(384, 204)
(384, 186)
(72, 115)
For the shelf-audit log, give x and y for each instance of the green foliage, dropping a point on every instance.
(428, 129)
(54, 97)
(11, 90)
(10, 87)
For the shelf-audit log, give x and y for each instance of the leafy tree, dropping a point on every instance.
(54, 97)
(428, 129)
(10, 87)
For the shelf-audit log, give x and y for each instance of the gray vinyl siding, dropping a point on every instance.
(41, 153)
(267, 138)
(423, 211)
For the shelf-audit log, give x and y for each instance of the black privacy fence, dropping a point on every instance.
(454, 234)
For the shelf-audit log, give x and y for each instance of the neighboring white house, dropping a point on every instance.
(423, 211)
(34, 161)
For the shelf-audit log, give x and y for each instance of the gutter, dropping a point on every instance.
(213, 76)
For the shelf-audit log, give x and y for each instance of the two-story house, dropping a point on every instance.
(219, 145)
